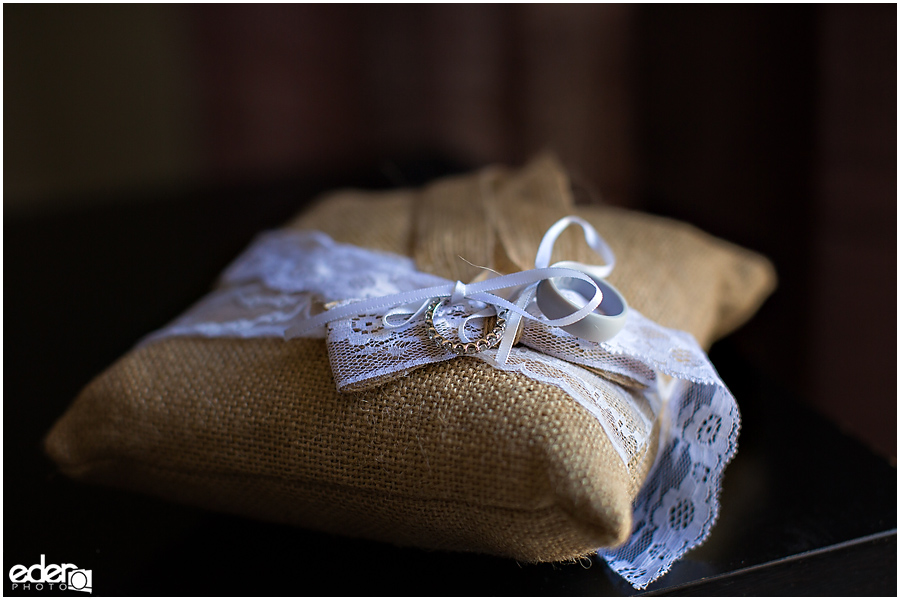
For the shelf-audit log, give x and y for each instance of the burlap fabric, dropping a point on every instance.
(457, 455)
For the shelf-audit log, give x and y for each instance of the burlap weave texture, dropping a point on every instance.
(457, 455)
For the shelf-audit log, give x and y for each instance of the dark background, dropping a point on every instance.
(145, 144)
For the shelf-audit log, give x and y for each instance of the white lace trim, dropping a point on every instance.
(678, 505)
(287, 276)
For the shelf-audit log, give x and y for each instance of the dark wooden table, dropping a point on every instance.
(806, 510)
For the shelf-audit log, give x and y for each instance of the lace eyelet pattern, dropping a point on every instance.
(489, 341)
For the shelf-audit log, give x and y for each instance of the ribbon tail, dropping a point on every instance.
(512, 324)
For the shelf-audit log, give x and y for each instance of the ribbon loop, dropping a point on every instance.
(594, 240)
(482, 314)
(412, 313)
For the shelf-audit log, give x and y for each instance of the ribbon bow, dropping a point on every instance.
(520, 289)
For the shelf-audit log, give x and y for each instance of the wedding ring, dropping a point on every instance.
(489, 341)
(557, 298)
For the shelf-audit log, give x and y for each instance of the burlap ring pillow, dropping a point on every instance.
(456, 455)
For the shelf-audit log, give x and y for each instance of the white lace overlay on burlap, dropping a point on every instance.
(624, 382)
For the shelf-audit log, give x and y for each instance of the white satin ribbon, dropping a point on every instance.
(522, 286)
